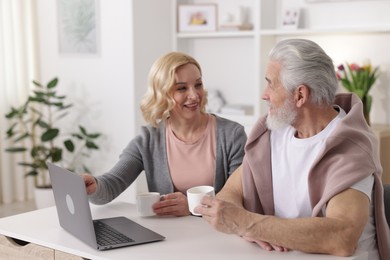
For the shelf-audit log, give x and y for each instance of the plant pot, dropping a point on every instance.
(44, 197)
(367, 102)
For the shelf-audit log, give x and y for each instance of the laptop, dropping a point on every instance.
(75, 216)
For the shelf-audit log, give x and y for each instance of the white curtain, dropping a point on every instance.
(18, 67)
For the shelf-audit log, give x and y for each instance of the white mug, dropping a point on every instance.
(195, 195)
(145, 202)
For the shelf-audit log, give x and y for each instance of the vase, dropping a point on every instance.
(43, 197)
(367, 101)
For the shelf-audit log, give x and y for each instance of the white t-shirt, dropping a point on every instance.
(292, 159)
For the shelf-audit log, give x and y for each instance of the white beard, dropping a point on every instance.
(282, 117)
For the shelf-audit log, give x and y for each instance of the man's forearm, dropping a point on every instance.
(311, 235)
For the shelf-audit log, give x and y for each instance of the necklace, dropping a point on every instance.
(191, 136)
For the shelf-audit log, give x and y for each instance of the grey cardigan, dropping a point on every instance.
(147, 152)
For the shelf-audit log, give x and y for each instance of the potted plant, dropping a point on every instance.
(35, 131)
(359, 80)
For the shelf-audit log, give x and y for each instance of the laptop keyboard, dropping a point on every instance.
(106, 235)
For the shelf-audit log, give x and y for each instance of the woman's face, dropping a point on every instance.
(188, 92)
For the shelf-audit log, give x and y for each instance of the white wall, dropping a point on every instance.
(107, 87)
(103, 85)
(100, 85)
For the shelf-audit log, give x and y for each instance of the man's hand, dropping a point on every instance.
(228, 218)
(222, 215)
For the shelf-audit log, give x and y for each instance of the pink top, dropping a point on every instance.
(192, 164)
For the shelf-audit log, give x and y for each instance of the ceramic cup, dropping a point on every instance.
(145, 202)
(195, 195)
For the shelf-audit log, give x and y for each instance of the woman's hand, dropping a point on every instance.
(172, 204)
(90, 183)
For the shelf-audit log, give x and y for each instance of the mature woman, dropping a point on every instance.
(183, 146)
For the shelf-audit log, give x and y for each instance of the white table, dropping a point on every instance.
(186, 238)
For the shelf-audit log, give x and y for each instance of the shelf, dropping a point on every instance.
(234, 62)
(218, 34)
(285, 32)
(362, 30)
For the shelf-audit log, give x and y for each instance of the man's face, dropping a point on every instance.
(282, 110)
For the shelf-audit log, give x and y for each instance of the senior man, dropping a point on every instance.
(311, 176)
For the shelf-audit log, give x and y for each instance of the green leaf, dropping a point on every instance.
(23, 136)
(12, 113)
(57, 104)
(16, 149)
(83, 131)
(39, 150)
(39, 93)
(51, 94)
(93, 136)
(69, 145)
(10, 131)
(52, 83)
(91, 145)
(56, 155)
(37, 99)
(43, 124)
(32, 173)
(65, 107)
(32, 165)
(36, 83)
(78, 136)
(49, 134)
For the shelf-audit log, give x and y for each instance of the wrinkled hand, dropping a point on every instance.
(228, 218)
(222, 215)
(172, 204)
(90, 183)
(267, 246)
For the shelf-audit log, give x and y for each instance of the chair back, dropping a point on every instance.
(386, 193)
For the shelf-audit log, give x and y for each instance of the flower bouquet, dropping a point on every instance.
(359, 80)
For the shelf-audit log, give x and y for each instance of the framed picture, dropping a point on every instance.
(78, 26)
(197, 18)
(290, 18)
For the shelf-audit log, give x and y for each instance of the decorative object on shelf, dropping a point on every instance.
(215, 101)
(237, 20)
(197, 18)
(290, 18)
(36, 133)
(359, 80)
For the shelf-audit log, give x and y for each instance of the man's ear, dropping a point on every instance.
(301, 95)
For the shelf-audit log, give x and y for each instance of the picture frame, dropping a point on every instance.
(290, 18)
(78, 27)
(197, 18)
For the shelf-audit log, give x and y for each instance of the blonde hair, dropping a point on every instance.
(158, 100)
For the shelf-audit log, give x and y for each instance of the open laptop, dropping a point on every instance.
(75, 216)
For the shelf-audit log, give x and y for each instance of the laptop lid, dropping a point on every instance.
(75, 216)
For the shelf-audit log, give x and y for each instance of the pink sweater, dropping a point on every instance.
(351, 153)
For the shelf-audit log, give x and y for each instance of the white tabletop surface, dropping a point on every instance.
(186, 238)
